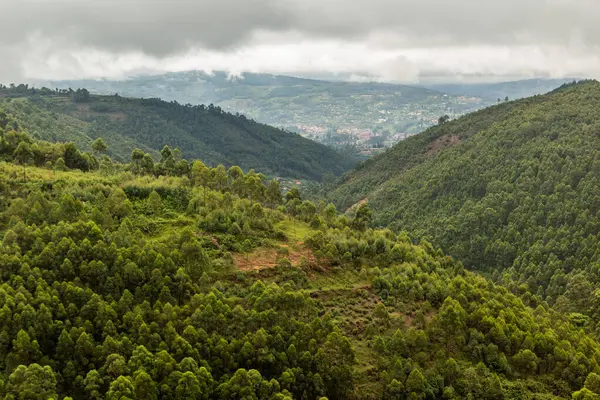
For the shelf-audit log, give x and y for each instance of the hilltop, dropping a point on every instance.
(148, 124)
(512, 190)
(152, 281)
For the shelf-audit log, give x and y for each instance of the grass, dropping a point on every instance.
(297, 231)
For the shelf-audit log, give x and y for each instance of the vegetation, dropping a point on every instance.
(512, 190)
(148, 124)
(155, 280)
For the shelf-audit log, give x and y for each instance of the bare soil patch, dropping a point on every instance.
(85, 111)
(442, 143)
(266, 257)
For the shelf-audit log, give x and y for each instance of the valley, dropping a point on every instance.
(299, 200)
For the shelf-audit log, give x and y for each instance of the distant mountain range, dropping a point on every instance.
(494, 91)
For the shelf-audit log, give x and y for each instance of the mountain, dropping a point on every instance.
(198, 131)
(513, 190)
(206, 283)
(491, 92)
(309, 106)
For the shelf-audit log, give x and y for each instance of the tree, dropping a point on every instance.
(146, 165)
(219, 178)
(592, 382)
(243, 384)
(74, 159)
(92, 384)
(155, 202)
(330, 213)
(188, 388)
(167, 160)
(585, 394)
(235, 173)
(363, 217)
(145, 387)
(121, 389)
(64, 347)
(525, 361)
(274, 193)
(25, 351)
(443, 119)
(118, 204)
(200, 173)
(381, 314)
(23, 154)
(195, 258)
(452, 320)
(293, 194)
(80, 96)
(115, 366)
(33, 382)
(60, 165)
(416, 384)
(137, 156)
(99, 146)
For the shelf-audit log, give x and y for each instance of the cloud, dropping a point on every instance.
(398, 40)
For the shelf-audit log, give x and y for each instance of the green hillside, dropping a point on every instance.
(148, 124)
(513, 188)
(209, 284)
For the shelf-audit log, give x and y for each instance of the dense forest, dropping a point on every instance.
(175, 280)
(512, 190)
(205, 132)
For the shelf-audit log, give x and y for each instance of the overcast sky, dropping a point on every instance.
(391, 40)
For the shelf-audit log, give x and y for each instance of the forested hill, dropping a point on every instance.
(515, 187)
(204, 132)
(158, 281)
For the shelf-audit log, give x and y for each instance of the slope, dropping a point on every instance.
(514, 187)
(121, 285)
(149, 124)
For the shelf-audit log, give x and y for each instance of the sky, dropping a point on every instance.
(404, 41)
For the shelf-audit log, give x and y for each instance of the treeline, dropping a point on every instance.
(79, 95)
